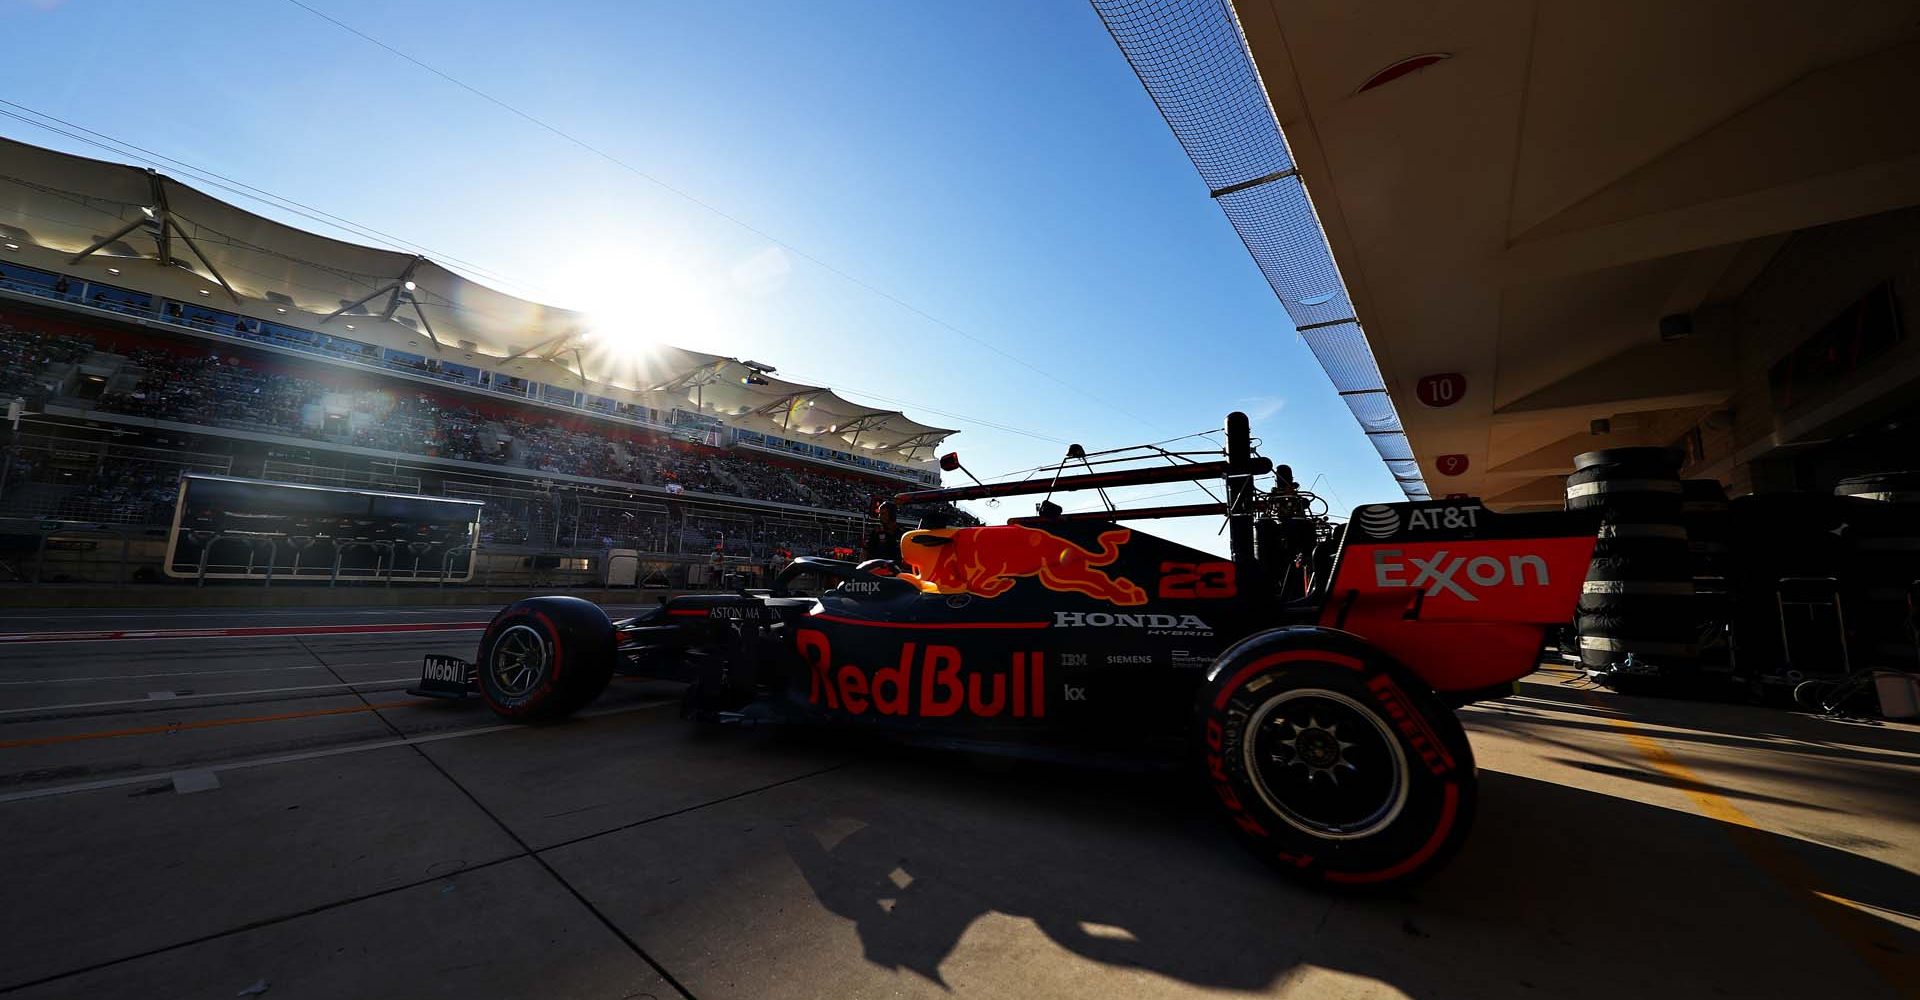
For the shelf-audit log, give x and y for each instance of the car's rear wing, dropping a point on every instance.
(1459, 593)
(1237, 472)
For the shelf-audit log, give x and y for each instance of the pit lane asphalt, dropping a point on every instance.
(192, 816)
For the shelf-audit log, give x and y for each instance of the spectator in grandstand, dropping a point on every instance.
(337, 407)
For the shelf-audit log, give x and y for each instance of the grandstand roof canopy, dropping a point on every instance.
(98, 213)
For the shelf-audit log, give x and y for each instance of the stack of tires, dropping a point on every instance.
(1636, 621)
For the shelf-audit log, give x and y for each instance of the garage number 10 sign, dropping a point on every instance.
(1444, 389)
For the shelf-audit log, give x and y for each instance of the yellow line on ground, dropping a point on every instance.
(1867, 936)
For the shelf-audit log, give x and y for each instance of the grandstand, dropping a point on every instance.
(148, 330)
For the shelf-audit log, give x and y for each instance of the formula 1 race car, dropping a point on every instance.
(1311, 676)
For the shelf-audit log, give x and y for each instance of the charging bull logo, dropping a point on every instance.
(986, 562)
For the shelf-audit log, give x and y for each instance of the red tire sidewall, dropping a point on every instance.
(1440, 769)
(538, 700)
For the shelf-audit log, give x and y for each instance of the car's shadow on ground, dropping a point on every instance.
(1560, 891)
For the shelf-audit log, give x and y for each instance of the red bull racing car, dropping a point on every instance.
(1311, 676)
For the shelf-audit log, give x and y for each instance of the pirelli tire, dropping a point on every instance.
(544, 658)
(1332, 762)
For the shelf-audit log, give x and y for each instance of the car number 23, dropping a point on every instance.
(1210, 580)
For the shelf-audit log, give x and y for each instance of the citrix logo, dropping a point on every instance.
(1438, 573)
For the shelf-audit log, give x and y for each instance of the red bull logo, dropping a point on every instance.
(986, 562)
(929, 682)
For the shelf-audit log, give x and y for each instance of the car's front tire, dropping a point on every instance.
(544, 658)
(1333, 762)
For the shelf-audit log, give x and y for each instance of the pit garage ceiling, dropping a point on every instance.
(1524, 211)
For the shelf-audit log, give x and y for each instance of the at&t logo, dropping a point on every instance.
(1377, 520)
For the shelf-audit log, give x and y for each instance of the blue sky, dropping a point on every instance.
(994, 164)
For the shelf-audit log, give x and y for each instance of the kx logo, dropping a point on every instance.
(1074, 693)
(1439, 573)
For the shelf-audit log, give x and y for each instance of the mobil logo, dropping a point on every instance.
(988, 561)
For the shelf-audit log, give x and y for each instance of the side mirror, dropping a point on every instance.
(950, 462)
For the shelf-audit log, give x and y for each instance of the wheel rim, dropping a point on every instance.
(1326, 764)
(519, 661)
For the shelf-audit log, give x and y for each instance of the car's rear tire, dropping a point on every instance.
(544, 658)
(1333, 762)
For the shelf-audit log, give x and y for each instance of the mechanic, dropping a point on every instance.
(883, 541)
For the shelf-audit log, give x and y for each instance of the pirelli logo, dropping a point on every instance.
(1425, 741)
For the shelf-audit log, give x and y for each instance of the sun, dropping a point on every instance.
(634, 302)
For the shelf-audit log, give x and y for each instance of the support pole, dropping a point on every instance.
(206, 552)
(361, 301)
(109, 238)
(424, 325)
(195, 247)
(40, 557)
(398, 287)
(1240, 473)
(163, 240)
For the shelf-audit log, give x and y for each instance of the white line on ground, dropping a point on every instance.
(293, 758)
(189, 782)
(238, 613)
(203, 673)
(383, 684)
(255, 632)
(481, 613)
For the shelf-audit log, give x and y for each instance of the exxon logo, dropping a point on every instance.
(1448, 574)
